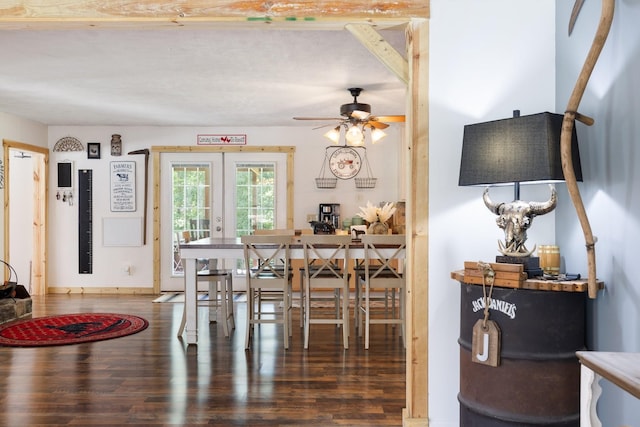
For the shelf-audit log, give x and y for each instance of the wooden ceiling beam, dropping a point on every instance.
(380, 48)
(158, 13)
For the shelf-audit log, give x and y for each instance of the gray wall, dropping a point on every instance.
(610, 155)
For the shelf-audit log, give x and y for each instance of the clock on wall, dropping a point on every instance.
(345, 163)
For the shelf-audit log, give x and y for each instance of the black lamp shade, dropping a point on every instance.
(518, 149)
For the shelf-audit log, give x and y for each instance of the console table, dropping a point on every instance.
(622, 369)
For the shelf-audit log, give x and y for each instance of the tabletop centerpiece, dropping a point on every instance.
(377, 217)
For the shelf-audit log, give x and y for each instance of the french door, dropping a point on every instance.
(217, 195)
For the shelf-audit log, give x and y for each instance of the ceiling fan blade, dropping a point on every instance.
(377, 125)
(393, 119)
(319, 118)
(333, 125)
(360, 115)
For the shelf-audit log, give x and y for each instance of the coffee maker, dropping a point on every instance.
(329, 213)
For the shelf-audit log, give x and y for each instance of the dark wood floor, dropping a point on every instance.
(153, 378)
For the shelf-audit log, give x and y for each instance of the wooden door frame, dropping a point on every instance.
(41, 209)
(156, 151)
(414, 14)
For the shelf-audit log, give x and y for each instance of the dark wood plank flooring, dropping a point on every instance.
(152, 378)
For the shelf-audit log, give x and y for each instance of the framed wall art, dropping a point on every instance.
(93, 150)
(123, 186)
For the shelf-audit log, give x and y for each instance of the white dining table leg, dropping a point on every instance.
(191, 300)
(590, 391)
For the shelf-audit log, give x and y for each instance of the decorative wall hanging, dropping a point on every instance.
(226, 139)
(68, 143)
(123, 186)
(322, 181)
(345, 162)
(65, 182)
(93, 150)
(116, 145)
(367, 181)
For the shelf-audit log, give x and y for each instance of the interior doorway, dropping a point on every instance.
(25, 182)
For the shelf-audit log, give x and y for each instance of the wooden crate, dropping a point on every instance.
(505, 275)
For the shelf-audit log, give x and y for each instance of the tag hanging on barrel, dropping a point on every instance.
(485, 344)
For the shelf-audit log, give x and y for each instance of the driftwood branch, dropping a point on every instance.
(570, 116)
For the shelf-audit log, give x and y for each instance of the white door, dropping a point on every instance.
(192, 207)
(217, 195)
(256, 198)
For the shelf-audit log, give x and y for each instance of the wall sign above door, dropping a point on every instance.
(222, 139)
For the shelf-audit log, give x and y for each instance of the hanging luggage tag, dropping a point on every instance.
(485, 344)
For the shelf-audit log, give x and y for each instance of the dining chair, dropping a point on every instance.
(267, 260)
(382, 270)
(293, 263)
(325, 268)
(220, 295)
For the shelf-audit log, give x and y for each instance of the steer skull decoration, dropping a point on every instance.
(515, 218)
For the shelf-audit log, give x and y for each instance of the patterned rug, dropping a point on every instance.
(69, 329)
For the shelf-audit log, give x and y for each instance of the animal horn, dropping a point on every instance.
(495, 208)
(538, 208)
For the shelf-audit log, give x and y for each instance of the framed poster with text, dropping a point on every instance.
(123, 186)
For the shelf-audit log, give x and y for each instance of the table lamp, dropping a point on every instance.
(521, 149)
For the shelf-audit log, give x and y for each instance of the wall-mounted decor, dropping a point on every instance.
(222, 139)
(116, 145)
(65, 182)
(65, 175)
(123, 186)
(68, 143)
(93, 150)
(345, 162)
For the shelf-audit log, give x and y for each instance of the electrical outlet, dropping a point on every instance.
(312, 217)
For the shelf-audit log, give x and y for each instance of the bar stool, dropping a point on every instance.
(267, 261)
(321, 272)
(380, 274)
(220, 294)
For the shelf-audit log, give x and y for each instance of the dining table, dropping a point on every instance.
(231, 248)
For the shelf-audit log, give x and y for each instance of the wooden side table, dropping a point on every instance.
(622, 369)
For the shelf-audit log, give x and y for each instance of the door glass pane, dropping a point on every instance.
(191, 202)
(255, 200)
(255, 197)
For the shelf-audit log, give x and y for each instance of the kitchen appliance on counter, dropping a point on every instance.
(329, 213)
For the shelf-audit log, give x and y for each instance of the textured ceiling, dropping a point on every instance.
(191, 77)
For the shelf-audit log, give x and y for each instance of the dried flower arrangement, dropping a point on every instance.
(371, 213)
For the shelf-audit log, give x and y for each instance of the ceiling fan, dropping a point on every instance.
(356, 117)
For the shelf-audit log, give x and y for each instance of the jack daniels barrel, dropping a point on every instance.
(537, 380)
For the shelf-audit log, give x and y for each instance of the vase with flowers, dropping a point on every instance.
(377, 217)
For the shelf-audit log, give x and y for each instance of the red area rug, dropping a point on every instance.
(69, 329)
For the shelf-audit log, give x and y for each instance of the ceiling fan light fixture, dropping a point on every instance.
(377, 134)
(354, 136)
(333, 135)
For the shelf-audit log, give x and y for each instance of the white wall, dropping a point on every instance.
(21, 216)
(486, 59)
(610, 158)
(17, 129)
(310, 150)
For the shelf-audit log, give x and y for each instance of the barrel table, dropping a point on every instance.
(537, 380)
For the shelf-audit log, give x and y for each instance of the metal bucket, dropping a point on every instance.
(538, 380)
